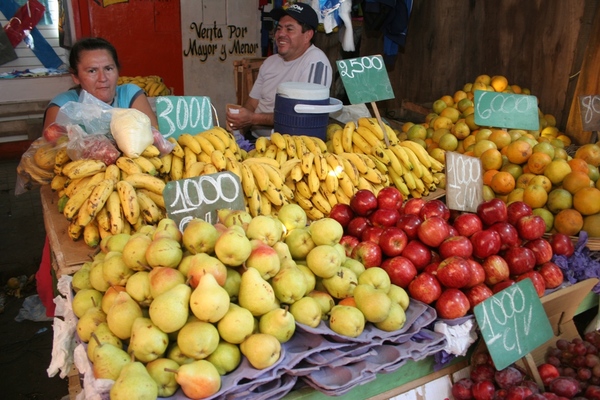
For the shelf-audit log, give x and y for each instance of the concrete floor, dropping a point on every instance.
(26, 346)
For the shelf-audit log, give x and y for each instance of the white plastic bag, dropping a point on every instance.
(132, 130)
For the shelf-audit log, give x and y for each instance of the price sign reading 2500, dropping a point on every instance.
(359, 65)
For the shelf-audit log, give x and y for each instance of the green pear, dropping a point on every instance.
(164, 252)
(147, 230)
(89, 321)
(265, 228)
(109, 297)
(307, 311)
(185, 263)
(170, 310)
(279, 323)
(261, 349)
(289, 284)
(324, 260)
(199, 379)
(374, 303)
(226, 357)
(134, 252)
(147, 342)
(163, 279)
(354, 265)
(97, 277)
(199, 236)
(233, 247)
(309, 277)
(84, 299)
(165, 380)
(236, 325)
(398, 295)
(198, 339)
(299, 242)
(347, 321)
(209, 301)
(81, 278)
(376, 277)
(202, 264)
(324, 299)
(342, 250)
(238, 217)
(108, 360)
(283, 251)
(167, 227)
(232, 283)
(342, 284)
(326, 231)
(174, 353)
(256, 294)
(292, 216)
(264, 258)
(121, 315)
(115, 242)
(134, 382)
(138, 287)
(114, 270)
(395, 319)
(103, 335)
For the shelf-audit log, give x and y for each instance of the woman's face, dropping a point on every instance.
(97, 74)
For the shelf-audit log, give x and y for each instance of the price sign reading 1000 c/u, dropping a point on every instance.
(464, 185)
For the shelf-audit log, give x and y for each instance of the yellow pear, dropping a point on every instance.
(209, 301)
(261, 349)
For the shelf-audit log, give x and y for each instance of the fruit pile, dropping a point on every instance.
(448, 259)
(194, 302)
(531, 166)
(153, 85)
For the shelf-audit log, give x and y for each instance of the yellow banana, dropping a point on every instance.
(157, 162)
(402, 156)
(148, 208)
(321, 145)
(341, 197)
(76, 201)
(113, 173)
(290, 146)
(414, 160)
(395, 164)
(336, 142)
(146, 165)
(281, 156)
(176, 171)
(373, 176)
(76, 184)
(151, 151)
(379, 165)
(146, 181)
(59, 182)
(302, 188)
(61, 158)
(361, 144)
(356, 161)
(266, 207)
(99, 196)
(420, 186)
(260, 176)
(215, 140)
(321, 166)
(274, 194)
(177, 150)
(115, 213)
(313, 181)
(347, 134)
(391, 134)
(196, 169)
(262, 160)
(419, 151)
(332, 182)
(127, 165)
(314, 214)
(278, 140)
(335, 164)
(373, 125)
(310, 144)
(158, 199)
(271, 151)
(275, 175)
(307, 162)
(364, 184)
(166, 161)
(74, 230)
(346, 185)
(204, 157)
(321, 203)
(398, 182)
(218, 160)
(369, 136)
(83, 215)
(226, 137)
(91, 234)
(209, 168)
(187, 140)
(233, 165)
(102, 219)
(205, 144)
(255, 203)
(296, 172)
(330, 196)
(409, 179)
(129, 201)
(301, 148)
(261, 144)
(436, 166)
(288, 193)
(82, 168)
(248, 183)
(303, 201)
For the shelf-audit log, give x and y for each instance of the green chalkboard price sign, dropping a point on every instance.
(464, 182)
(513, 323)
(506, 110)
(183, 114)
(365, 79)
(202, 196)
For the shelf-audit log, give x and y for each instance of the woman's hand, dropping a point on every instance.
(240, 120)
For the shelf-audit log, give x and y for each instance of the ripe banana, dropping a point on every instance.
(419, 151)
(129, 201)
(84, 217)
(321, 203)
(59, 182)
(127, 165)
(275, 175)
(148, 208)
(158, 199)
(260, 176)
(346, 138)
(166, 161)
(76, 201)
(112, 172)
(81, 168)
(177, 150)
(296, 172)
(274, 195)
(255, 203)
(307, 162)
(176, 172)
(99, 196)
(233, 165)
(151, 151)
(187, 140)
(278, 140)
(414, 160)
(215, 140)
(91, 234)
(146, 181)
(373, 125)
(218, 160)
(102, 219)
(115, 213)
(290, 147)
(74, 230)
(261, 144)
(356, 161)
(248, 183)
(336, 142)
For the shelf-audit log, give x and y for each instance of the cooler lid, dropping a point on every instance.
(303, 91)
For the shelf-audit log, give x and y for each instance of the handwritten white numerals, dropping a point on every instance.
(590, 105)
(505, 104)
(193, 115)
(348, 68)
(463, 173)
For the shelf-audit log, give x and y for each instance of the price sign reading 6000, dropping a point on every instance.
(513, 323)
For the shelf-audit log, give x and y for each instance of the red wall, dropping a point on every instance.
(146, 33)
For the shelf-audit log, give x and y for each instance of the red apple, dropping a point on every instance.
(485, 243)
(520, 259)
(53, 132)
(483, 390)
(452, 231)
(400, 269)
(413, 205)
(432, 267)
(496, 269)
(531, 227)
(425, 288)
(478, 293)
(357, 225)
(349, 242)
(433, 231)
(536, 279)
(456, 246)
(452, 304)
(542, 250)
(371, 234)
(363, 202)
(368, 253)
(492, 211)
(384, 217)
(393, 240)
(467, 224)
(390, 197)
(342, 213)
(454, 272)
(562, 244)
(477, 273)
(516, 210)
(409, 223)
(508, 234)
(502, 285)
(552, 274)
(418, 253)
(434, 208)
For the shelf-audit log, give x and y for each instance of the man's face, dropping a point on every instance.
(291, 41)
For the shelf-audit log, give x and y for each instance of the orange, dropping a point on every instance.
(448, 142)
(524, 179)
(590, 153)
(500, 137)
(491, 159)
(576, 180)
(546, 215)
(519, 151)
(468, 87)
(499, 83)
(535, 196)
(593, 173)
(565, 139)
(550, 132)
(551, 121)
(442, 122)
(515, 170)
(463, 104)
(560, 154)
(482, 146)
(591, 224)
(558, 200)
(460, 129)
(556, 171)
(516, 89)
(502, 183)
(450, 112)
(568, 221)
(537, 163)
(438, 133)
(578, 164)
(438, 106)
(459, 95)
(448, 100)
(483, 78)
(483, 134)
(488, 175)
(469, 140)
(488, 193)
(470, 120)
(417, 131)
(543, 181)
(515, 133)
(544, 147)
(438, 154)
(406, 126)
(557, 143)
(515, 195)
(587, 201)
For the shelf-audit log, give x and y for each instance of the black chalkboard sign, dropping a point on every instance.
(506, 110)
(202, 196)
(464, 182)
(365, 79)
(183, 114)
(589, 107)
(513, 323)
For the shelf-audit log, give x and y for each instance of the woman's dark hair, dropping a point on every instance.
(92, 43)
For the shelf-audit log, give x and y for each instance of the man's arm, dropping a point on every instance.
(246, 116)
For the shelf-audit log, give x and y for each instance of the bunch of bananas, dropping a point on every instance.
(37, 164)
(407, 164)
(153, 85)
